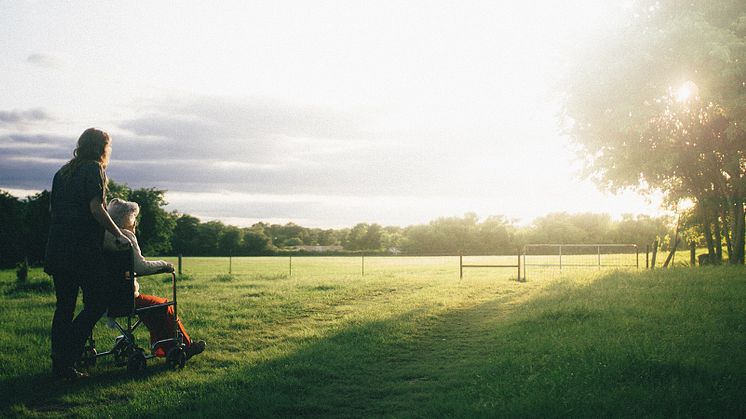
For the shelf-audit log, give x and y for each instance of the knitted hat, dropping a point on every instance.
(123, 212)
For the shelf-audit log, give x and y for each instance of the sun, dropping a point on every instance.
(687, 91)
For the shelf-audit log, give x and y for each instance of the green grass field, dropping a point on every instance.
(407, 339)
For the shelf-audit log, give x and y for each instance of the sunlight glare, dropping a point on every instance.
(687, 91)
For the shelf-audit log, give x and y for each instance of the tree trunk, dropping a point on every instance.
(671, 254)
(738, 232)
(726, 232)
(718, 240)
(707, 226)
(675, 243)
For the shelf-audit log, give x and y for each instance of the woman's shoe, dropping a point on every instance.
(68, 373)
(195, 348)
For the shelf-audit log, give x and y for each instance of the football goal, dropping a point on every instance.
(563, 257)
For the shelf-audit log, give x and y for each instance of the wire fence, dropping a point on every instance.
(535, 261)
(325, 266)
(545, 258)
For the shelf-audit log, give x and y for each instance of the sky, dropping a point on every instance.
(322, 113)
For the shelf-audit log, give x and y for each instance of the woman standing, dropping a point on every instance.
(74, 255)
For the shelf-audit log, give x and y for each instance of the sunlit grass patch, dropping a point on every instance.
(403, 344)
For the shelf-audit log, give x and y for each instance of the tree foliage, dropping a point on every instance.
(24, 227)
(467, 235)
(11, 230)
(156, 224)
(661, 104)
(36, 225)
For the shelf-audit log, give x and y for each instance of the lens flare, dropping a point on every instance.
(687, 91)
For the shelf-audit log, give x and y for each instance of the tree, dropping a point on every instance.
(355, 239)
(12, 242)
(661, 104)
(392, 237)
(309, 236)
(372, 238)
(560, 228)
(327, 238)
(641, 230)
(185, 236)
(293, 242)
(450, 235)
(229, 240)
(117, 190)
(36, 220)
(156, 225)
(280, 234)
(496, 234)
(255, 241)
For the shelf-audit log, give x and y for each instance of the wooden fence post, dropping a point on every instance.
(692, 254)
(655, 253)
(179, 264)
(637, 258)
(524, 263)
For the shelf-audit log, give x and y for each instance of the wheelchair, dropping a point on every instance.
(125, 351)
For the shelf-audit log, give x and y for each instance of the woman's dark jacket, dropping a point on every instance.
(75, 238)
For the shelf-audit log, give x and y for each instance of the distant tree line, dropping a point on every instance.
(24, 224)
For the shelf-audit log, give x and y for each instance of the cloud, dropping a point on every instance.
(252, 130)
(44, 60)
(17, 117)
(36, 145)
(29, 161)
(312, 210)
(245, 144)
(208, 144)
(27, 173)
(315, 162)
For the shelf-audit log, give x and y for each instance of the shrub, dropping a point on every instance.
(22, 271)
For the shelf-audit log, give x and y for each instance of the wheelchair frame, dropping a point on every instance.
(121, 276)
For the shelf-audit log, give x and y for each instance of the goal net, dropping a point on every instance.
(560, 258)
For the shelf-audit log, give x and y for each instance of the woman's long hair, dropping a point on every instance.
(92, 146)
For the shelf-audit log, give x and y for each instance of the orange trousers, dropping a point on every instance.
(160, 322)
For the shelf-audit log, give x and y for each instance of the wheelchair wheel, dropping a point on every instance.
(176, 358)
(121, 351)
(136, 361)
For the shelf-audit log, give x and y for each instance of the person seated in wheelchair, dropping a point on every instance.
(159, 322)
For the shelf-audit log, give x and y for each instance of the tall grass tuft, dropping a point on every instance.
(225, 278)
(22, 271)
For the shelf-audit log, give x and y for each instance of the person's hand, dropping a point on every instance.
(122, 242)
(167, 268)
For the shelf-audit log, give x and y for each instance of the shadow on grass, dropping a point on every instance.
(45, 394)
(30, 286)
(598, 350)
(569, 353)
